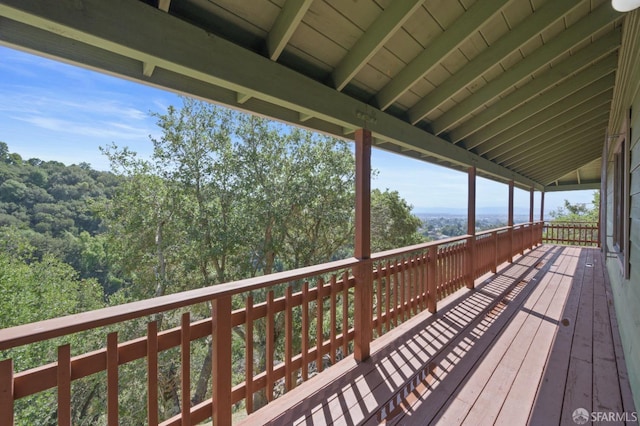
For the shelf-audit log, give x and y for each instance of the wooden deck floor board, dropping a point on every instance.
(458, 408)
(518, 349)
(497, 389)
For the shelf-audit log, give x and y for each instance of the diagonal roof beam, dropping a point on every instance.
(560, 168)
(92, 36)
(481, 139)
(549, 147)
(286, 23)
(549, 13)
(382, 29)
(147, 67)
(538, 59)
(573, 147)
(555, 116)
(570, 124)
(582, 101)
(554, 148)
(557, 168)
(454, 36)
(555, 75)
(586, 145)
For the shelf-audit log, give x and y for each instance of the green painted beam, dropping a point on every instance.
(556, 75)
(177, 48)
(602, 70)
(505, 141)
(580, 102)
(570, 124)
(544, 17)
(550, 175)
(543, 151)
(561, 166)
(540, 58)
(382, 29)
(553, 149)
(464, 27)
(285, 25)
(573, 187)
(553, 175)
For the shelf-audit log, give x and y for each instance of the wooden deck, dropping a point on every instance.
(530, 344)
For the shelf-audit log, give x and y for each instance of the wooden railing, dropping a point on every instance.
(305, 316)
(572, 233)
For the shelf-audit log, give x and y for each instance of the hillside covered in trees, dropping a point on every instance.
(225, 196)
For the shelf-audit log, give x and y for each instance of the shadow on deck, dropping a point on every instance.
(530, 344)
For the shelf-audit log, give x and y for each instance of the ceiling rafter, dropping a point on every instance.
(500, 49)
(571, 153)
(571, 37)
(573, 187)
(276, 89)
(581, 100)
(533, 151)
(559, 73)
(534, 127)
(454, 36)
(147, 67)
(382, 29)
(558, 168)
(570, 123)
(552, 149)
(480, 139)
(285, 25)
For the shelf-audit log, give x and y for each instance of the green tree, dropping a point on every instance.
(37, 290)
(392, 223)
(578, 212)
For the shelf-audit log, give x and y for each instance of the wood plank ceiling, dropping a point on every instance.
(520, 88)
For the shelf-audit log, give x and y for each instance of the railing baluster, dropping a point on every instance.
(379, 280)
(270, 348)
(319, 324)
(387, 296)
(6, 392)
(345, 314)
(64, 385)
(248, 359)
(305, 331)
(432, 291)
(112, 379)
(396, 291)
(152, 373)
(403, 290)
(185, 368)
(334, 313)
(221, 360)
(289, 382)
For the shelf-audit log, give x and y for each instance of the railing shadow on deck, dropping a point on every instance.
(585, 368)
(505, 295)
(408, 360)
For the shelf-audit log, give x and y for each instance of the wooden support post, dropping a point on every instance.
(510, 221)
(541, 217)
(531, 227)
(471, 228)
(432, 288)
(362, 250)
(6, 392)
(221, 360)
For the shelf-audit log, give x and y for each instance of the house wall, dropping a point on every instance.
(626, 292)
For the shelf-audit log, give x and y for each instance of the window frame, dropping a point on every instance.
(621, 197)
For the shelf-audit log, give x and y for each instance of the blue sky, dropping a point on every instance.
(54, 111)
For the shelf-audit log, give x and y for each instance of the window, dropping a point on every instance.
(621, 200)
